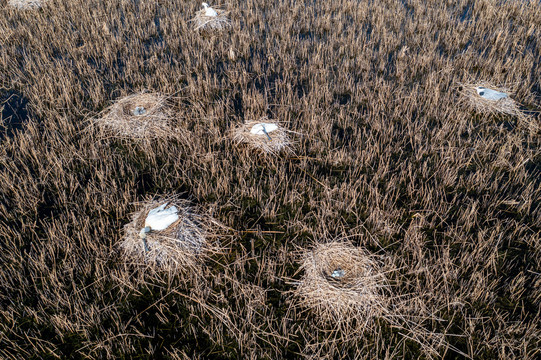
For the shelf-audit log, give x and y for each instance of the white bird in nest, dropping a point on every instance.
(263, 129)
(158, 219)
(490, 94)
(209, 11)
(338, 273)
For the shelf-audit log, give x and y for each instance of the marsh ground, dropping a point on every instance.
(387, 155)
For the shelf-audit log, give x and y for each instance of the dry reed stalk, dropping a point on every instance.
(506, 106)
(181, 246)
(361, 294)
(139, 116)
(279, 139)
(211, 23)
(26, 4)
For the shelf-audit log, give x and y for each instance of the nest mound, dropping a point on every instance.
(342, 283)
(138, 116)
(211, 23)
(182, 245)
(26, 4)
(279, 139)
(505, 106)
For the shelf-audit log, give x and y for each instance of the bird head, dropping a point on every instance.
(144, 231)
(480, 89)
(205, 5)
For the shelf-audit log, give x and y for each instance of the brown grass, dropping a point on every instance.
(506, 106)
(26, 4)
(359, 294)
(445, 198)
(182, 246)
(201, 22)
(142, 116)
(279, 142)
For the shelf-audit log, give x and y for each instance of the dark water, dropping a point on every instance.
(13, 108)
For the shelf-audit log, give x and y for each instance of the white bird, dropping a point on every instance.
(338, 273)
(139, 110)
(490, 94)
(158, 219)
(263, 129)
(209, 11)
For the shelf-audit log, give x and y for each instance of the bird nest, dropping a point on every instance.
(505, 106)
(272, 143)
(26, 4)
(182, 245)
(343, 284)
(138, 116)
(211, 23)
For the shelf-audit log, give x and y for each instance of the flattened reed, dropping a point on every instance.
(139, 116)
(507, 106)
(26, 4)
(341, 283)
(450, 203)
(181, 246)
(202, 22)
(273, 143)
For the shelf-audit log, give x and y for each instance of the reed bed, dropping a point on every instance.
(445, 197)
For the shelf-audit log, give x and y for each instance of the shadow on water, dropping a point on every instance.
(13, 113)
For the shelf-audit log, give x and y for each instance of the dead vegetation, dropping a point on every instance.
(139, 116)
(273, 143)
(506, 106)
(180, 247)
(445, 196)
(26, 4)
(341, 283)
(206, 23)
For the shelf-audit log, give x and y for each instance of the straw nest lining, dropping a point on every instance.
(505, 106)
(360, 293)
(279, 138)
(26, 4)
(182, 245)
(139, 116)
(209, 23)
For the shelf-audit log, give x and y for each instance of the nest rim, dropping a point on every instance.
(280, 141)
(120, 120)
(505, 106)
(183, 245)
(202, 22)
(362, 294)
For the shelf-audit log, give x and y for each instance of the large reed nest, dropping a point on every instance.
(359, 293)
(279, 142)
(26, 4)
(139, 116)
(182, 246)
(506, 106)
(202, 22)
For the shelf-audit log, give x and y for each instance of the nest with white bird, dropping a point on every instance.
(167, 233)
(264, 136)
(343, 284)
(211, 18)
(489, 99)
(141, 116)
(26, 4)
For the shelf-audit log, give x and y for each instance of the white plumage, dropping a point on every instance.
(161, 218)
(263, 128)
(209, 11)
(338, 273)
(490, 94)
